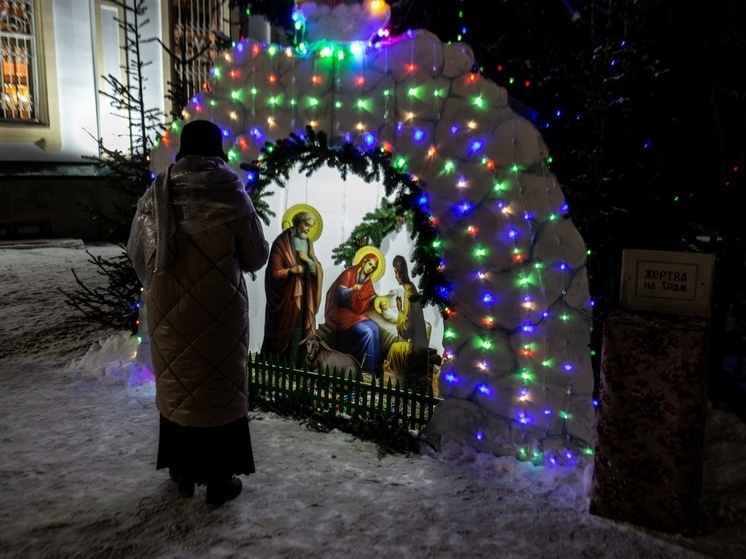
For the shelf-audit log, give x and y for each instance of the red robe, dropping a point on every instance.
(340, 316)
(289, 296)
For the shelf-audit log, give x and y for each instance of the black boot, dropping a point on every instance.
(186, 487)
(218, 492)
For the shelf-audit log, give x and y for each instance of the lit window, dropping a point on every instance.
(18, 52)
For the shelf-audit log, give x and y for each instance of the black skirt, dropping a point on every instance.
(205, 453)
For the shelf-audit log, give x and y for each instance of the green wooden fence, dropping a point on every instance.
(329, 391)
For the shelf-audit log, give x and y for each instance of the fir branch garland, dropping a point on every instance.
(310, 151)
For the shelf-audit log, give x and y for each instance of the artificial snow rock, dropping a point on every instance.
(459, 60)
(343, 22)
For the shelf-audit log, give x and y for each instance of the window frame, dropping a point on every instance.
(45, 130)
(169, 15)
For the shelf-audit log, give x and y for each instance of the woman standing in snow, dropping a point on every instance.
(194, 234)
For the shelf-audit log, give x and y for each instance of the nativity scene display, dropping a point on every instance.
(494, 281)
(367, 318)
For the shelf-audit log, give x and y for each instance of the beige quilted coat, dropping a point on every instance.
(197, 309)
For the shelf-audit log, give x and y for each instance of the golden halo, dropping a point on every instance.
(315, 232)
(370, 249)
(378, 301)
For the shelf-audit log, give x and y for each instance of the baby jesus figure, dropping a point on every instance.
(382, 304)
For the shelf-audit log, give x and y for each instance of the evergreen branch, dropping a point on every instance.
(309, 152)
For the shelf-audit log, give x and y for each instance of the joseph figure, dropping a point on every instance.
(293, 288)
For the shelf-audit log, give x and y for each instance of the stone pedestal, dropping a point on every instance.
(651, 415)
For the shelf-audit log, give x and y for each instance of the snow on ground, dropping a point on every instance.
(77, 466)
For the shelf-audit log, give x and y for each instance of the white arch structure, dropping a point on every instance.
(518, 377)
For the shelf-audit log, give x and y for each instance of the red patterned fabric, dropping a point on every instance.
(651, 415)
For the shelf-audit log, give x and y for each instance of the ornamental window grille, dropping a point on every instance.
(199, 28)
(19, 79)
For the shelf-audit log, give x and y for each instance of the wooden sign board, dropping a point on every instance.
(667, 282)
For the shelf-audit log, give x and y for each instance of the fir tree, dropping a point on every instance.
(116, 305)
